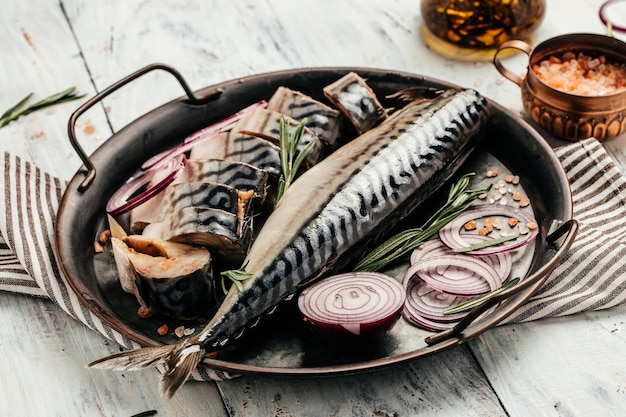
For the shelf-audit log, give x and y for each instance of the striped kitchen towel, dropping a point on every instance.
(579, 283)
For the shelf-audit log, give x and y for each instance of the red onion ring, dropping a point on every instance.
(122, 200)
(354, 303)
(201, 135)
(452, 237)
(455, 274)
(502, 262)
(420, 309)
(603, 12)
(430, 304)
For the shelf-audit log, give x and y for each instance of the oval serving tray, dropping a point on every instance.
(288, 348)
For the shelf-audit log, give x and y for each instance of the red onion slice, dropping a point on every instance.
(122, 200)
(451, 233)
(356, 304)
(421, 311)
(502, 262)
(201, 135)
(455, 274)
(429, 303)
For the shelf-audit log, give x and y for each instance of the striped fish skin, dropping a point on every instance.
(200, 194)
(239, 175)
(365, 186)
(264, 123)
(234, 146)
(323, 120)
(225, 234)
(357, 101)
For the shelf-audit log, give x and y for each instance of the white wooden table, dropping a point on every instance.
(570, 366)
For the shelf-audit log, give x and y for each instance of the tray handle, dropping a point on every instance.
(71, 126)
(567, 229)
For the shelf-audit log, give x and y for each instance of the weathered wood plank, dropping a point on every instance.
(43, 371)
(567, 366)
(449, 383)
(40, 56)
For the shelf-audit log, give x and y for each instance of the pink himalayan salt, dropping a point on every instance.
(582, 74)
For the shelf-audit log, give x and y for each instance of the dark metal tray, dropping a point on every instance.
(288, 348)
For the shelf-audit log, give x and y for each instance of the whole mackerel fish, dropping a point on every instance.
(345, 200)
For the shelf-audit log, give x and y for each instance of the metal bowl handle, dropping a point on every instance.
(568, 229)
(71, 126)
(515, 44)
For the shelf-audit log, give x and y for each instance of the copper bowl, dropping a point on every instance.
(569, 116)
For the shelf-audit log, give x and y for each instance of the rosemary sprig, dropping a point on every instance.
(236, 276)
(487, 243)
(469, 304)
(290, 157)
(459, 199)
(19, 110)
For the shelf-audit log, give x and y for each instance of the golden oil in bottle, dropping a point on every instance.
(478, 27)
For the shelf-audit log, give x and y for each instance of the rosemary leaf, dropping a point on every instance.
(486, 243)
(469, 304)
(459, 199)
(290, 157)
(19, 110)
(236, 276)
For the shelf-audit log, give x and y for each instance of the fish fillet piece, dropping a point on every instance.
(264, 123)
(177, 196)
(174, 280)
(234, 146)
(234, 180)
(357, 101)
(323, 120)
(224, 234)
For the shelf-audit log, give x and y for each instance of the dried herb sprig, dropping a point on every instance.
(236, 276)
(469, 304)
(459, 200)
(290, 157)
(19, 110)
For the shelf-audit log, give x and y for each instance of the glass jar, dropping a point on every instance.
(476, 25)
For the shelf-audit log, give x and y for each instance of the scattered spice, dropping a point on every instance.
(167, 264)
(144, 312)
(97, 247)
(179, 331)
(89, 129)
(162, 330)
(104, 236)
(471, 225)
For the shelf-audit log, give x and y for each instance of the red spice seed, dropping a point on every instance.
(162, 330)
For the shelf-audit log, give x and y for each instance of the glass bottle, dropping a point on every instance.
(478, 26)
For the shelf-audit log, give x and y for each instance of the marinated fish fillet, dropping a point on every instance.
(233, 146)
(223, 233)
(357, 101)
(264, 123)
(323, 120)
(174, 280)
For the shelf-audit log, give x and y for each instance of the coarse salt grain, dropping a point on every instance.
(582, 74)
